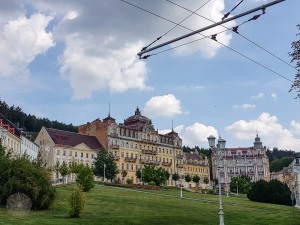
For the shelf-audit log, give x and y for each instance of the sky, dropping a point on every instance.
(69, 60)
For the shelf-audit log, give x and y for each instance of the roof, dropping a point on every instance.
(137, 121)
(192, 156)
(67, 138)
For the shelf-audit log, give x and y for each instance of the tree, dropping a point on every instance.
(85, 178)
(76, 202)
(206, 180)
(22, 175)
(187, 178)
(107, 158)
(296, 57)
(175, 177)
(64, 170)
(279, 164)
(270, 192)
(159, 176)
(124, 174)
(196, 179)
(243, 184)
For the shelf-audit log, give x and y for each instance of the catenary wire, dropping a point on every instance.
(260, 64)
(243, 36)
(192, 13)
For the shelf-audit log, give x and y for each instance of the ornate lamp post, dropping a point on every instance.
(181, 175)
(220, 146)
(104, 172)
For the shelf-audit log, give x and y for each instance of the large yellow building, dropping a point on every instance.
(136, 143)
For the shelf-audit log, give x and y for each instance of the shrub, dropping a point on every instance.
(152, 183)
(85, 178)
(22, 175)
(76, 202)
(270, 192)
(129, 181)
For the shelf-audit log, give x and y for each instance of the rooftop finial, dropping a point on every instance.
(172, 126)
(108, 109)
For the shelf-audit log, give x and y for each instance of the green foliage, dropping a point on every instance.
(129, 181)
(159, 175)
(107, 158)
(124, 173)
(206, 180)
(187, 178)
(196, 179)
(138, 174)
(279, 164)
(85, 178)
(21, 175)
(296, 57)
(31, 122)
(175, 177)
(270, 192)
(243, 183)
(76, 202)
(152, 183)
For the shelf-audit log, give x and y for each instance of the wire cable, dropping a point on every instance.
(212, 37)
(235, 31)
(144, 48)
(227, 14)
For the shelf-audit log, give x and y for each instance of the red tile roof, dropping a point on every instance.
(67, 138)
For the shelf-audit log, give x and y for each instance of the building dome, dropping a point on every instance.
(137, 121)
(257, 143)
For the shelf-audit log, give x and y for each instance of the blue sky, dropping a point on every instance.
(68, 60)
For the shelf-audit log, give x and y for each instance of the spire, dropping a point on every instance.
(172, 126)
(109, 109)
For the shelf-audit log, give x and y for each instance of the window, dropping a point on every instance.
(75, 154)
(58, 152)
(127, 167)
(87, 155)
(64, 152)
(81, 154)
(70, 153)
(92, 156)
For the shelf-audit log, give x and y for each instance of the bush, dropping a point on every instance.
(270, 192)
(76, 202)
(85, 178)
(152, 183)
(22, 175)
(129, 181)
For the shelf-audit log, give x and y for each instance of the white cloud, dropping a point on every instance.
(165, 105)
(295, 127)
(87, 71)
(244, 106)
(21, 40)
(274, 96)
(259, 95)
(272, 133)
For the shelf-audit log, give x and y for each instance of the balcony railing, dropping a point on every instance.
(145, 151)
(146, 161)
(114, 146)
(116, 157)
(179, 156)
(128, 159)
(166, 164)
(179, 165)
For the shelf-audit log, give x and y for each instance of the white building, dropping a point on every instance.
(29, 148)
(295, 181)
(234, 162)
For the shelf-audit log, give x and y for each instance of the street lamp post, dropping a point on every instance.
(141, 175)
(221, 146)
(180, 174)
(104, 172)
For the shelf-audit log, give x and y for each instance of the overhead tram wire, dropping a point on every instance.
(257, 45)
(176, 25)
(260, 64)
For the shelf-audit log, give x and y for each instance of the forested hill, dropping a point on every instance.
(31, 123)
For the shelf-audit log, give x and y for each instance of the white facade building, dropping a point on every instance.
(29, 148)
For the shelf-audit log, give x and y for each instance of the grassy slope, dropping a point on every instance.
(108, 205)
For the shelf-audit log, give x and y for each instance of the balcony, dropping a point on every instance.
(179, 156)
(114, 146)
(168, 164)
(146, 161)
(179, 165)
(116, 157)
(131, 160)
(150, 152)
(113, 135)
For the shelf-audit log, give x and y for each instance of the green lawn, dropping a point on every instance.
(109, 205)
